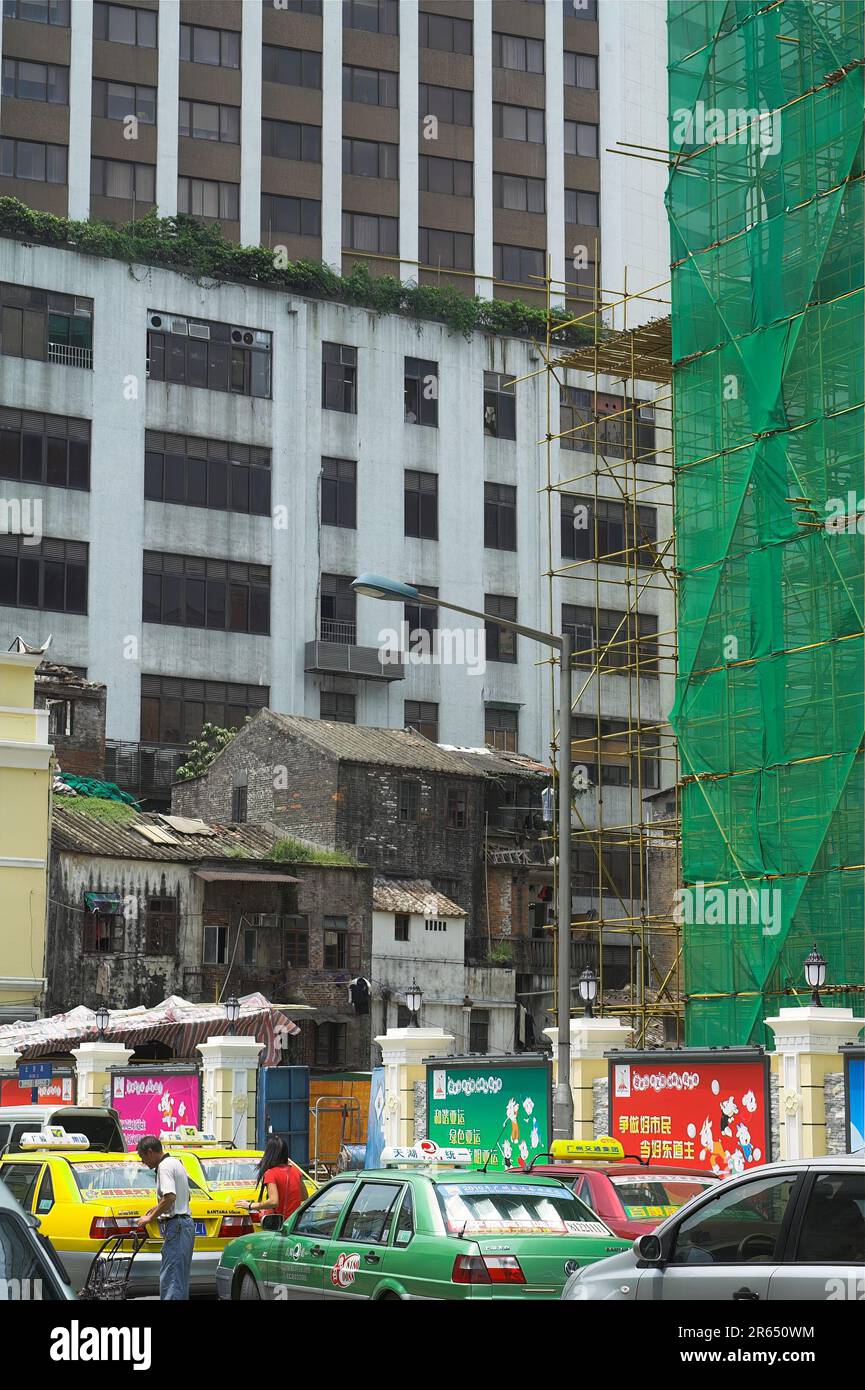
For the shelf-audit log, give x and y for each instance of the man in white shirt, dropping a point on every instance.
(176, 1226)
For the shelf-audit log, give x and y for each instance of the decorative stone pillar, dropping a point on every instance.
(229, 1087)
(591, 1038)
(93, 1063)
(806, 1049)
(403, 1051)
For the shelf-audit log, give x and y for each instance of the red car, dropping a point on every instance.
(631, 1198)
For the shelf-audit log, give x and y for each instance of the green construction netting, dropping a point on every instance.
(766, 230)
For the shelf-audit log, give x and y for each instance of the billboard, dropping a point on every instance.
(499, 1108)
(854, 1097)
(703, 1111)
(53, 1090)
(149, 1102)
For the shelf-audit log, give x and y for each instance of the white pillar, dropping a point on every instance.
(93, 1063)
(229, 1086)
(806, 1048)
(403, 1051)
(408, 151)
(591, 1039)
(331, 136)
(80, 101)
(555, 136)
(250, 127)
(483, 118)
(167, 109)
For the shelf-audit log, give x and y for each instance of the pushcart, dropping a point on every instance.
(108, 1276)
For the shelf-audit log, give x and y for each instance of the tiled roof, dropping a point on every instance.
(413, 896)
(496, 762)
(354, 743)
(80, 833)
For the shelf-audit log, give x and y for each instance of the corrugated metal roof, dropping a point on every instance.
(353, 743)
(81, 833)
(413, 896)
(495, 762)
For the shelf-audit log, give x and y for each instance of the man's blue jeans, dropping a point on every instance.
(178, 1239)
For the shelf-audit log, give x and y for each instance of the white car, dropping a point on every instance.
(788, 1230)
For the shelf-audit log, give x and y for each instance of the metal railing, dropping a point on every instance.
(65, 355)
(343, 632)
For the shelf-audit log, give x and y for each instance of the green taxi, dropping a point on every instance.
(421, 1226)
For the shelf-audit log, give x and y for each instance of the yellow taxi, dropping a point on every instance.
(230, 1174)
(81, 1198)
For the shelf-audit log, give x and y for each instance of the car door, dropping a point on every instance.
(293, 1261)
(355, 1260)
(727, 1247)
(826, 1246)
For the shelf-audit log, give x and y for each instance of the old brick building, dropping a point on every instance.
(76, 718)
(145, 906)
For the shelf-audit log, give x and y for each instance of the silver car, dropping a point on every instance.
(788, 1230)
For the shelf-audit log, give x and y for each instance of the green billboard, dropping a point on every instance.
(498, 1107)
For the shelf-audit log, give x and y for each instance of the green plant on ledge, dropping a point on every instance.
(200, 249)
(500, 954)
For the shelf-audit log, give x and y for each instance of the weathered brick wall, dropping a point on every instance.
(836, 1112)
(507, 898)
(82, 752)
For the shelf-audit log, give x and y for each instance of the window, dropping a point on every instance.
(116, 101)
(215, 944)
(320, 1217)
(339, 378)
(30, 159)
(450, 105)
(239, 799)
(586, 414)
(518, 123)
(581, 70)
(208, 198)
(444, 33)
(51, 575)
(500, 412)
(122, 24)
(613, 639)
(216, 356)
(581, 208)
(619, 758)
(422, 716)
(404, 1225)
(61, 718)
(369, 86)
(401, 925)
(250, 946)
(363, 232)
(421, 618)
(296, 938)
(581, 9)
(435, 924)
(38, 11)
(368, 1220)
(517, 265)
(501, 728)
(421, 505)
(20, 1178)
(421, 392)
(339, 493)
(833, 1230)
(445, 250)
(174, 708)
(518, 194)
(337, 706)
(45, 1200)
(456, 815)
(119, 178)
(49, 449)
(297, 216)
(293, 67)
(103, 933)
(46, 326)
(713, 1233)
(452, 176)
(581, 138)
(501, 645)
(479, 1030)
(370, 159)
(192, 591)
(595, 530)
(291, 140)
(213, 473)
(35, 81)
(341, 947)
(219, 48)
(409, 800)
(330, 1044)
(375, 16)
(519, 54)
(500, 516)
(204, 120)
(160, 927)
(338, 609)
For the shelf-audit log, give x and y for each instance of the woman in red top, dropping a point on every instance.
(285, 1190)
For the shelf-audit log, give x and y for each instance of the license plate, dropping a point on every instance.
(200, 1228)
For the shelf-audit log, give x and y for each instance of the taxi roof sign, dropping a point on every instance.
(53, 1137)
(424, 1151)
(187, 1134)
(576, 1149)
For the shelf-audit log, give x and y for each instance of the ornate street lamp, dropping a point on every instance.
(588, 987)
(232, 1012)
(413, 1001)
(815, 974)
(102, 1020)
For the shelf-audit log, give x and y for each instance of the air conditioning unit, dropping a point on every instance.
(199, 330)
(243, 336)
(155, 321)
(179, 326)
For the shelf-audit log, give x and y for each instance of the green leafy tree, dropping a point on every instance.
(203, 750)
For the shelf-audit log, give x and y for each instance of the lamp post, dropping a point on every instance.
(102, 1021)
(377, 586)
(815, 974)
(232, 1012)
(588, 987)
(413, 1001)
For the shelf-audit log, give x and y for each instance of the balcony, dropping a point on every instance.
(335, 652)
(145, 770)
(65, 355)
(536, 955)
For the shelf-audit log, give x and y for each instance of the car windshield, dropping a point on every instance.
(116, 1178)
(514, 1208)
(230, 1171)
(651, 1198)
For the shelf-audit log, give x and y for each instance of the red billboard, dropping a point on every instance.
(55, 1090)
(703, 1112)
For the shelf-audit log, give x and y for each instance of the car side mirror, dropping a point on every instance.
(649, 1250)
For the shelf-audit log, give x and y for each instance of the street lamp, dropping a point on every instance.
(588, 987)
(815, 974)
(102, 1020)
(377, 586)
(413, 1001)
(232, 1012)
